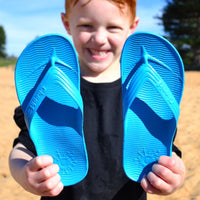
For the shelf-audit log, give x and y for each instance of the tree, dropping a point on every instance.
(2, 42)
(181, 21)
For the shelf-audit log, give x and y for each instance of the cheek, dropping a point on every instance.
(80, 40)
(118, 42)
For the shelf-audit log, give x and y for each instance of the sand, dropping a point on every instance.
(187, 140)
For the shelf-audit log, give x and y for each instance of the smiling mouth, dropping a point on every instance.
(98, 54)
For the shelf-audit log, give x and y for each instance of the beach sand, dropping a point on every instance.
(187, 140)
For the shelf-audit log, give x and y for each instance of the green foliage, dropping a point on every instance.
(181, 21)
(2, 42)
(4, 62)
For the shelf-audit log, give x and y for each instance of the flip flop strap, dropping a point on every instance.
(145, 58)
(146, 73)
(53, 73)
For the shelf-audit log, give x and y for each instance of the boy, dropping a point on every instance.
(99, 30)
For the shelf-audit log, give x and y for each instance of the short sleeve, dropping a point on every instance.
(176, 150)
(23, 136)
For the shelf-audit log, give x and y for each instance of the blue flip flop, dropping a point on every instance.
(152, 74)
(47, 82)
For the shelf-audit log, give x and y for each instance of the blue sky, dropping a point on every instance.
(24, 20)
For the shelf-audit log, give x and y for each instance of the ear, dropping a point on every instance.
(65, 22)
(134, 25)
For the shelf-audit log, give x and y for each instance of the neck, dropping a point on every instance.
(102, 77)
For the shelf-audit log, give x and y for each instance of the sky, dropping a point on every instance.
(24, 20)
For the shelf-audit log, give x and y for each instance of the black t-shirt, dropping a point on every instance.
(103, 131)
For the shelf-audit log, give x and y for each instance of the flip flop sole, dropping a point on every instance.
(52, 104)
(152, 87)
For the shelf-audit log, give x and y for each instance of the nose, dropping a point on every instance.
(99, 36)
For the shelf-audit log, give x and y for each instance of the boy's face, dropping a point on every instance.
(99, 30)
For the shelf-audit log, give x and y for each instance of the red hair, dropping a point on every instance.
(120, 3)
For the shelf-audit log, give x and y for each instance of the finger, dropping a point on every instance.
(56, 191)
(47, 172)
(156, 185)
(40, 162)
(146, 185)
(163, 172)
(180, 167)
(174, 163)
(51, 187)
(37, 179)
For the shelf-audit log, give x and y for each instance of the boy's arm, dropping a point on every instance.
(37, 175)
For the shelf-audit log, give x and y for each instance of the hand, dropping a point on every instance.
(166, 176)
(41, 177)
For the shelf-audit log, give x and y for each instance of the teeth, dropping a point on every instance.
(99, 53)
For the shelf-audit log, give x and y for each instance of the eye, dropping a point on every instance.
(114, 28)
(85, 26)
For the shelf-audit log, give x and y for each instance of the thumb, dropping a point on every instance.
(179, 168)
(40, 162)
